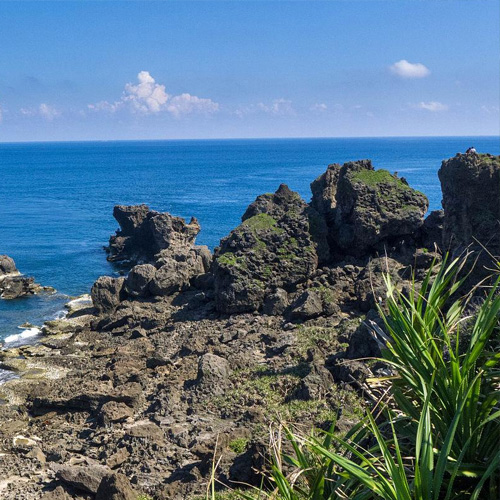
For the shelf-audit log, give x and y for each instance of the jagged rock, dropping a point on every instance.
(115, 487)
(366, 209)
(308, 305)
(471, 201)
(431, 233)
(56, 494)
(177, 269)
(315, 385)
(7, 265)
(13, 284)
(138, 279)
(276, 303)
(362, 344)
(143, 233)
(271, 248)
(107, 293)
(213, 372)
(81, 477)
(370, 286)
(113, 412)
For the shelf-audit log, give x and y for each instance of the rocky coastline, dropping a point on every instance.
(131, 393)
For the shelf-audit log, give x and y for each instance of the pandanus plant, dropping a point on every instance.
(437, 436)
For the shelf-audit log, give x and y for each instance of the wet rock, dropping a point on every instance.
(107, 293)
(138, 279)
(7, 265)
(115, 487)
(271, 248)
(366, 209)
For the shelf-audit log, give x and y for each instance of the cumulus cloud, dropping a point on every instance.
(433, 106)
(46, 111)
(148, 97)
(405, 69)
(279, 107)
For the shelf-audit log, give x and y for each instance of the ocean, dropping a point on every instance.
(56, 199)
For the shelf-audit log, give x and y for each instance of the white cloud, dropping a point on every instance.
(48, 112)
(45, 111)
(187, 103)
(279, 107)
(405, 69)
(486, 109)
(433, 106)
(148, 97)
(319, 107)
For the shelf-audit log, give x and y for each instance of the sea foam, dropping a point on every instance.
(29, 332)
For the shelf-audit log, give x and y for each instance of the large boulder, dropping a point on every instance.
(471, 201)
(7, 265)
(107, 293)
(138, 279)
(116, 487)
(272, 248)
(161, 241)
(366, 209)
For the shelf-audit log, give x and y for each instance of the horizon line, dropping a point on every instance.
(64, 141)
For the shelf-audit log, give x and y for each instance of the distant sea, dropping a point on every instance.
(56, 199)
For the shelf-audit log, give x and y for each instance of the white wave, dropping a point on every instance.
(29, 332)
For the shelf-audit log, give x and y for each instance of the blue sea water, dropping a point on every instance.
(56, 199)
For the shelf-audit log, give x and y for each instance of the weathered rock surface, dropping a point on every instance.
(144, 233)
(471, 201)
(272, 248)
(366, 209)
(107, 293)
(13, 284)
(146, 383)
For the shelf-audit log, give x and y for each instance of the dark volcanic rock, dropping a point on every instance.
(271, 248)
(471, 201)
(308, 305)
(143, 233)
(107, 293)
(115, 487)
(12, 283)
(82, 477)
(431, 232)
(138, 279)
(366, 209)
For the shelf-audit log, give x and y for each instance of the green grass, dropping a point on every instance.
(273, 390)
(238, 445)
(261, 222)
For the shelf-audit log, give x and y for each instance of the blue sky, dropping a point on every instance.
(167, 70)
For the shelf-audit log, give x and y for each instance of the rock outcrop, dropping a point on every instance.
(471, 202)
(13, 284)
(366, 210)
(189, 353)
(272, 248)
(160, 247)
